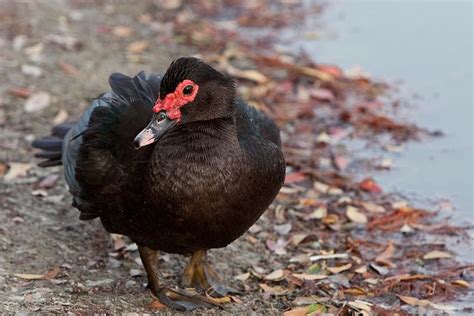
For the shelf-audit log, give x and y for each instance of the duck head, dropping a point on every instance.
(190, 91)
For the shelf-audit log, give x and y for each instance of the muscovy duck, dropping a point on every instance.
(179, 164)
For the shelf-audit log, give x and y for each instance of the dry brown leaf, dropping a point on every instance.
(461, 283)
(138, 47)
(436, 254)
(339, 269)
(51, 274)
(273, 290)
(355, 215)
(28, 276)
(276, 275)
(69, 69)
(20, 92)
(413, 301)
(386, 255)
(122, 31)
(361, 305)
(361, 270)
(356, 291)
(60, 117)
(408, 277)
(155, 304)
(219, 300)
(296, 239)
(299, 311)
(45, 276)
(309, 277)
(17, 170)
(319, 213)
(373, 208)
(248, 74)
(243, 276)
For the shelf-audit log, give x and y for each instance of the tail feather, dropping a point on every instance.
(51, 146)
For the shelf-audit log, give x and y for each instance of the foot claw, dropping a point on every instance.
(200, 274)
(183, 301)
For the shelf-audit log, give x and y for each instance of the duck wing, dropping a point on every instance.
(251, 121)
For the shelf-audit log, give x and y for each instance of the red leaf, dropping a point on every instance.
(295, 177)
(370, 185)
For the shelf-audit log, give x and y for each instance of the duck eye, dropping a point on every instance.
(161, 116)
(188, 89)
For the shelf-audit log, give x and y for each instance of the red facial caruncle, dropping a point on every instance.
(184, 93)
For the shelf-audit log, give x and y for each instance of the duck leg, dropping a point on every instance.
(199, 273)
(175, 299)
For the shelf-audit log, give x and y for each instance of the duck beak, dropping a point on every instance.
(157, 127)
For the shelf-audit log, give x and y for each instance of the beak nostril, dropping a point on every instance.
(136, 143)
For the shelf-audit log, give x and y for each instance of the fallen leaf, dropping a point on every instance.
(37, 102)
(48, 181)
(436, 254)
(333, 256)
(249, 74)
(243, 276)
(138, 47)
(39, 193)
(339, 269)
(28, 276)
(461, 283)
(330, 219)
(51, 274)
(277, 275)
(406, 229)
(379, 269)
(318, 213)
(361, 270)
(45, 276)
(321, 187)
(277, 247)
(295, 177)
(385, 256)
(299, 311)
(355, 215)
(296, 239)
(424, 303)
(358, 291)
(60, 117)
(219, 300)
(122, 31)
(283, 229)
(20, 92)
(17, 170)
(69, 69)
(309, 277)
(370, 185)
(372, 207)
(322, 94)
(408, 277)
(156, 304)
(361, 305)
(119, 243)
(275, 290)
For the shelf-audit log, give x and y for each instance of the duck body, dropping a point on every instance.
(199, 186)
(204, 185)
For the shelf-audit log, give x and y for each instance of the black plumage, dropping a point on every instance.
(199, 186)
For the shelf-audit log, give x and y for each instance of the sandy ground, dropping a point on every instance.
(38, 233)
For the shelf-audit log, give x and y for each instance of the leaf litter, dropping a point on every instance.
(333, 242)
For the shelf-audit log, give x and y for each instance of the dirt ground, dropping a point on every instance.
(61, 53)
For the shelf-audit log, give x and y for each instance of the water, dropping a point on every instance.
(428, 46)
